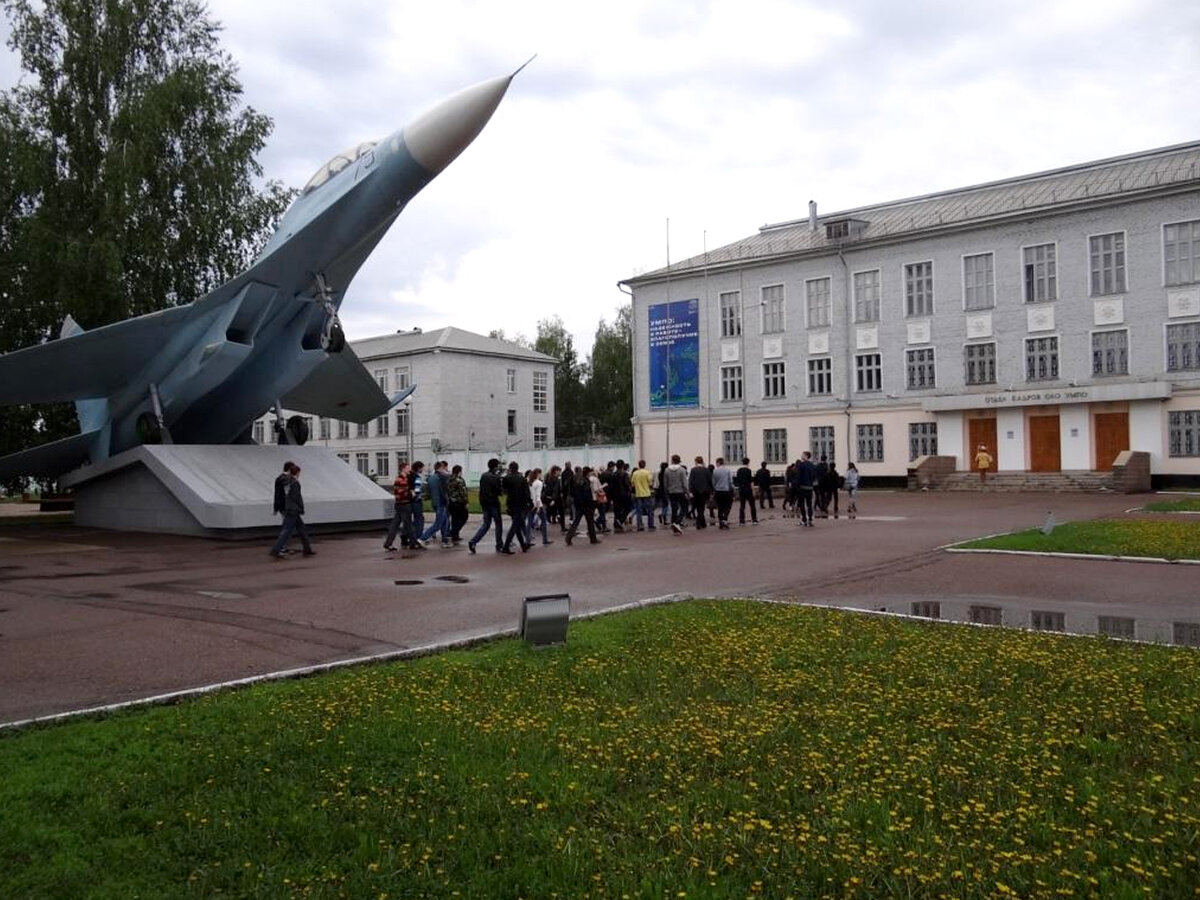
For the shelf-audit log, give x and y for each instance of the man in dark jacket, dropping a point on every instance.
(762, 480)
(516, 494)
(804, 477)
(700, 487)
(744, 479)
(293, 521)
(281, 486)
(436, 487)
(490, 489)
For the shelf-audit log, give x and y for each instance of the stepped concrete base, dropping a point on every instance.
(218, 490)
(1064, 481)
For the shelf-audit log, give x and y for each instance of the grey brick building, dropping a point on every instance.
(1054, 317)
(475, 395)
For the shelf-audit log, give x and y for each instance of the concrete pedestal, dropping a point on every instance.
(219, 490)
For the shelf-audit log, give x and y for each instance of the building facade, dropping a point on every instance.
(474, 396)
(1054, 318)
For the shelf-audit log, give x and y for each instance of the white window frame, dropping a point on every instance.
(382, 426)
(1055, 356)
(967, 380)
(862, 298)
(381, 379)
(774, 374)
(403, 377)
(729, 307)
(1189, 260)
(822, 441)
(541, 391)
(511, 422)
(1049, 273)
(732, 386)
(343, 430)
(1183, 433)
(382, 464)
(971, 291)
(869, 438)
(1121, 269)
(926, 366)
(510, 380)
(922, 439)
(733, 445)
(362, 462)
(1182, 355)
(820, 374)
(820, 315)
(913, 293)
(541, 437)
(1120, 362)
(775, 446)
(864, 375)
(774, 309)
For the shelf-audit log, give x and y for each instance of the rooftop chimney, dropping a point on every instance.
(812, 214)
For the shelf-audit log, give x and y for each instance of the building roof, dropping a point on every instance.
(404, 343)
(1152, 172)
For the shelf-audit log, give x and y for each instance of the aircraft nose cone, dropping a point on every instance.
(437, 137)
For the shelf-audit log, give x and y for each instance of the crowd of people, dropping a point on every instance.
(615, 498)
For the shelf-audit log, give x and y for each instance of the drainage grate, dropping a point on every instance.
(455, 579)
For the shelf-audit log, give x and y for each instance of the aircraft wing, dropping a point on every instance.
(86, 365)
(339, 388)
(48, 459)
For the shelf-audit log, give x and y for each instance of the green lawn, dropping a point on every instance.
(706, 749)
(1187, 504)
(1104, 537)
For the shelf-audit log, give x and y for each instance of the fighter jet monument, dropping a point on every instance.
(199, 375)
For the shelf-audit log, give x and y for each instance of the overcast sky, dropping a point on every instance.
(721, 116)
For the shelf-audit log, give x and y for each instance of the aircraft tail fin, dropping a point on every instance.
(48, 459)
(91, 413)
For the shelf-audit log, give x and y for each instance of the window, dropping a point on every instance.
(402, 377)
(541, 437)
(987, 615)
(927, 609)
(868, 369)
(733, 445)
(364, 429)
(1041, 620)
(343, 430)
(918, 289)
(512, 421)
(820, 442)
(1181, 252)
(381, 426)
(402, 420)
(362, 462)
(1183, 433)
(323, 424)
(774, 380)
(541, 391)
(922, 439)
(401, 459)
(979, 281)
(866, 296)
(820, 375)
(1110, 353)
(381, 378)
(731, 314)
(731, 382)
(260, 432)
(1107, 253)
(981, 363)
(817, 293)
(775, 448)
(510, 379)
(381, 464)
(1186, 634)
(1115, 626)
(1041, 359)
(870, 443)
(1041, 273)
(772, 309)
(920, 369)
(1183, 347)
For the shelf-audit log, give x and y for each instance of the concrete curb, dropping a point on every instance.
(322, 668)
(1109, 558)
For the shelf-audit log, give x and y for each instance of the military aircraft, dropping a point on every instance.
(204, 372)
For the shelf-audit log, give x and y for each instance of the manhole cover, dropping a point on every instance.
(408, 581)
(456, 579)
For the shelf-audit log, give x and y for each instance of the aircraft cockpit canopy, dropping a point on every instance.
(335, 165)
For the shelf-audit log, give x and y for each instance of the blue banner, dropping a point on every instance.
(675, 354)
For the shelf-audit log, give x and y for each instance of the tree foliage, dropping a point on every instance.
(593, 399)
(128, 172)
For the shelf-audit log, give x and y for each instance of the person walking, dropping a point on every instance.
(643, 495)
(804, 477)
(585, 487)
(660, 494)
(293, 517)
(762, 480)
(490, 489)
(401, 510)
(537, 512)
(436, 486)
(835, 485)
(700, 484)
(821, 486)
(851, 491)
(983, 462)
(722, 477)
(552, 496)
(416, 490)
(457, 502)
(516, 496)
(675, 478)
(744, 480)
(282, 481)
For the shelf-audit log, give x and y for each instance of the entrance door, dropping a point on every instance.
(1112, 436)
(1044, 445)
(981, 431)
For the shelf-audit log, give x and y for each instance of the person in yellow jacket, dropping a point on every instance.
(643, 495)
(983, 462)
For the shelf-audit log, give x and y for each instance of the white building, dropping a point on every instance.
(475, 396)
(1053, 317)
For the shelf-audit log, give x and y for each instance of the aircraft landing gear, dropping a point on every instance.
(333, 338)
(149, 429)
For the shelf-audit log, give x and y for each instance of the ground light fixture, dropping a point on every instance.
(544, 619)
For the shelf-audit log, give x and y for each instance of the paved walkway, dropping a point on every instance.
(90, 618)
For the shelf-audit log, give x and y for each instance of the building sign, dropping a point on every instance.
(1092, 393)
(675, 354)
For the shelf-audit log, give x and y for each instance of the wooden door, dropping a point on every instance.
(1112, 436)
(981, 431)
(1044, 444)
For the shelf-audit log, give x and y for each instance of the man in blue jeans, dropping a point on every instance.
(293, 512)
(436, 487)
(490, 489)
